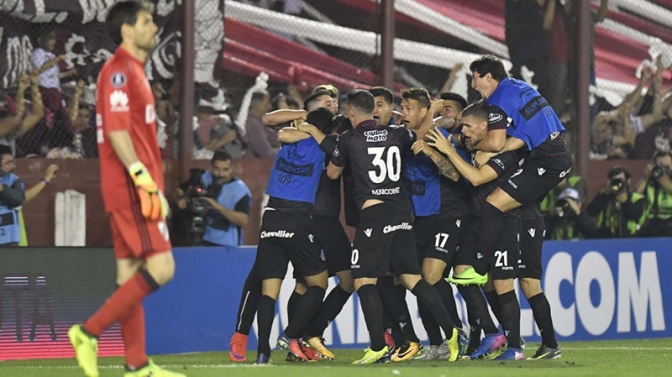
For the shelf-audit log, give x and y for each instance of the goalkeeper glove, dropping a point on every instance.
(153, 204)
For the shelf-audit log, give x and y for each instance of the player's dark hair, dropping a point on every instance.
(320, 118)
(361, 101)
(313, 97)
(333, 91)
(489, 64)
(418, 94)
(451, 96)
(257, 97)
(477, 110)
(340, 123)
(381, 91)
(5, 149)
(220, 156)
(123, 12)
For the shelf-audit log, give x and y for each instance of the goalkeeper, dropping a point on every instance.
(132, 185)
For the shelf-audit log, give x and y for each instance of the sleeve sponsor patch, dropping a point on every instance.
(118, 79)
(494, 118)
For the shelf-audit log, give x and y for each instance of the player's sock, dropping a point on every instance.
(477, 307)
(432, 328)
(133, 332)
(393, 300)
(292, 304)
(332, 305)
(431, 299)
(307, 306)
(372, 306)
(247, 309)
(265, 315)
(541, 311)
(511, 318)
(446, 293)
(495, 305)
(492, 225)
(121, 301)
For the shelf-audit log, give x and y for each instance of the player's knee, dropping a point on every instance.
(530, 287)
(503, 286)
(432, 276)
(409, 281)
(319, 280)
(360, 282)
(345, 281)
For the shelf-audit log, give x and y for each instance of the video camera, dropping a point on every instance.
(616, 186)
(195, 191)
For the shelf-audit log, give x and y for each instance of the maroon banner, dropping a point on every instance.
(81, 36)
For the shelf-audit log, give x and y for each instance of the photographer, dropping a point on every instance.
(219, 203)
(620, 212)
(12, 195)
(567, 221)
(656, 186)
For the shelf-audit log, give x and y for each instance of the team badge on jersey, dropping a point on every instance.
(118, 79)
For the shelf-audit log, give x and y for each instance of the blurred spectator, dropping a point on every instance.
(85, 143)
(619, 210)
(281, 102)
(656, 186)
(262, 141)
(14, 119)
(624, 131)
(555, 24)
(31, 193)
(527, 42)
(46, 63)
(12, 197)
(569, 221)
(215, 131)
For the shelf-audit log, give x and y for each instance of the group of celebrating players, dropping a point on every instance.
(426, 196)
(460, 191)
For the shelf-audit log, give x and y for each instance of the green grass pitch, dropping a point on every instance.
(647, 358)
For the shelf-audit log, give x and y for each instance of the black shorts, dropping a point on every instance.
(288, 236)
(335, 244)
(531, 242)
(384, 242)
(437, 237)
(504, 265)
(537, 176)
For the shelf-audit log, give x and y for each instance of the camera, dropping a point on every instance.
(657, 172)
(563, 209)
(616, 186)
(198, 208)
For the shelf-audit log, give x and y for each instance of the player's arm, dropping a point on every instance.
(446, 168)
(282, 116)
(238, 215)
(339, 157)
(116, 128)
(474, 175)
(495, 140)
(428, 120)
(290, 135)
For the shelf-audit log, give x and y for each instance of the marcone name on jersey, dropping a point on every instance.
(278, 234)
(393, 228)
(390, 191)
(375, 136)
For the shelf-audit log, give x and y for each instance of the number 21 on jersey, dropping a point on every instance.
(387, 162)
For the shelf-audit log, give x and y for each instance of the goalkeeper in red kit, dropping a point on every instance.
(132, 185)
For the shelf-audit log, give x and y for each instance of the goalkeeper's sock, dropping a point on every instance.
(121, 302)
(133, 331)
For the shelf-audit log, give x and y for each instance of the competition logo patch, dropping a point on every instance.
(494, 118)
(499, 162)
(118, 79)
